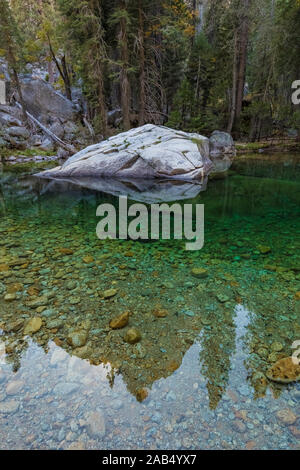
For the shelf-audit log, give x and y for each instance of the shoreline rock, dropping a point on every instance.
(146, 152)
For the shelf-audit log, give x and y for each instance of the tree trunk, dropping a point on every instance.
(63, 72)
(96, 58)
(234, 87)
(142, 103)
(124, 79)
(243, 48)
(101, 100)
(241, 39)
(12, 63)
(66, 78)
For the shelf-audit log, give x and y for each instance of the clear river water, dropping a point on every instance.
(212, 322)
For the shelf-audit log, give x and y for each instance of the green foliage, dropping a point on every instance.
(187, 77)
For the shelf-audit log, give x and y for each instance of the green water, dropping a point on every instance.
(196, 379)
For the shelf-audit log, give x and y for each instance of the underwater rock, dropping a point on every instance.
(14, 387)
(10, 297)
(33, 291)
(71, 285)
(65, 388)
(119, 322)
(9, 407)
(273, 357)
(38, 302)
(200, 273)
(95, 424)
(14, 326)
(284, 371)
(88, 259)
(74, 300)
(66, 251)
(55, 324)
(59, 355)
(295, 431)
(78, 445)
(277, 347)
(84, 352)
(77, 339)
(159, 312)
(141, 394)
(263, 353)
(239, 426)
(107, 294)
(222, 298)
(15, 287)
(286, 416)
(132, 336)
(33, 325)
(173, 365)
(264, 250)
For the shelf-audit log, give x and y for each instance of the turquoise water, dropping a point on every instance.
(197, 377)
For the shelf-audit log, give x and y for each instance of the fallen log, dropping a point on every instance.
(69, 148)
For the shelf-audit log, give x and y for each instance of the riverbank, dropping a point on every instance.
(269, 145)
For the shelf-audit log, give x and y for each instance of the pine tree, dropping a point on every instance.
(85, 39)
(10, 41)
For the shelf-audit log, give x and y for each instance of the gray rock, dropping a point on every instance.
(73, 426)
(95, 424)
(243, 390)
(70, 128)
(18, 132)
(171, 396)
(65, 388)
(293, 133)
(43, 101)
(117, 404)
(9, 407)
(71, 285)
(16, 143)
(36, 140)
(2, 376)
(114, 116)
(47, 145)
(221, 144)
(78, 338)
(9, 120)
(61, 435)
(146, 152)
(55, 324)
(58, 129)
(62, 154)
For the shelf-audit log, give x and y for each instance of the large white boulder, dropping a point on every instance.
(145, 152)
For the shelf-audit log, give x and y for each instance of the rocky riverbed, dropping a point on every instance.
(100, 338)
